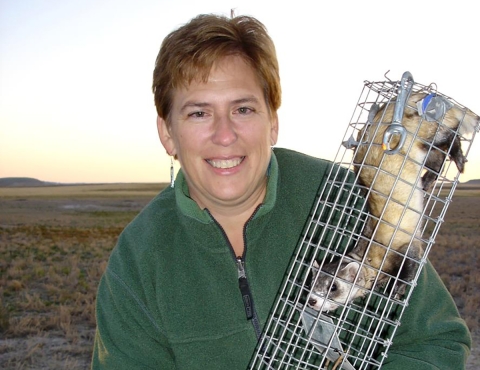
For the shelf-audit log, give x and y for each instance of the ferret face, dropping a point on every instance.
(318, 296)
(328, 292)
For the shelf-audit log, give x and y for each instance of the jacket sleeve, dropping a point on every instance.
(127, 337)
(431, 334)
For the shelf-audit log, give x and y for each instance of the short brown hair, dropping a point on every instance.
(189, 53)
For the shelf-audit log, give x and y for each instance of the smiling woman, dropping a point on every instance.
(221, 132)
(219, 118)
(192, 279)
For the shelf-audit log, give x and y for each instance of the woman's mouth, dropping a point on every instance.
(225, 163)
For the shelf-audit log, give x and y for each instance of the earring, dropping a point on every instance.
(172, 173)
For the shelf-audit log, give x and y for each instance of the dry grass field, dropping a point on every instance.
(54, 245)
(55, 241)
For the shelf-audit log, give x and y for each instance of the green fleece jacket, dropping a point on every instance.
(170, 297)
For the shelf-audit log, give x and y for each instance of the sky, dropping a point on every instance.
(75, 75)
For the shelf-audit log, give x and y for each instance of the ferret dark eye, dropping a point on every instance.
(334, 288)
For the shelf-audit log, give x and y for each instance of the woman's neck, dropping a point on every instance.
(232, 217)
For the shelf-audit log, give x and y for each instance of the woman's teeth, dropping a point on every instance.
(225, 163)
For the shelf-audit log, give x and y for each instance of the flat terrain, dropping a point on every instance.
(55, 242)
(54, 246)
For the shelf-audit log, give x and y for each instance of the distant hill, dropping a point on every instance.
(10, 182)
(472, 182)
(22, 182)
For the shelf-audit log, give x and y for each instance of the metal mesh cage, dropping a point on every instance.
(370, 230)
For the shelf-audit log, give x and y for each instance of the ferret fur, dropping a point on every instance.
(396, 184)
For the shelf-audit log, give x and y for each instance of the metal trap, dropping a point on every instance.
(371, 228)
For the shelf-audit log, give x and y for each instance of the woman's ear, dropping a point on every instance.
(274, 131)
(165, 136)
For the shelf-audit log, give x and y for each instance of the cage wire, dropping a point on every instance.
(374, 221)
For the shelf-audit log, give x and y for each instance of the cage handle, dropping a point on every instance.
(396, 128)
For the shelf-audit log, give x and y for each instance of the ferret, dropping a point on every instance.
(336, 285)
(390, 244)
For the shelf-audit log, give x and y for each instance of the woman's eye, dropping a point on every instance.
(244, 110)
(197, 114)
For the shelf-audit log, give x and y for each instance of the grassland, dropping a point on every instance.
(55, 242)
(54, 245)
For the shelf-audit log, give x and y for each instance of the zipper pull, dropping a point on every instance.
(245, 289)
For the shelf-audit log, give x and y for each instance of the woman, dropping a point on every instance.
(194, 276)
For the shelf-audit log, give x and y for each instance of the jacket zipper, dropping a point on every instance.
(245, 289)
(243, 282)
(247, 297)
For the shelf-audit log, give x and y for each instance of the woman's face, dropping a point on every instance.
(222, 133)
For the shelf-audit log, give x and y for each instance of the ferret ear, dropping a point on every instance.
(351, 269)
(315, 264)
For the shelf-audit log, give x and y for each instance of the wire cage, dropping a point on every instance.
(371, 228)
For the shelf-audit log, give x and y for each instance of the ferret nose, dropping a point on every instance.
(312, 302)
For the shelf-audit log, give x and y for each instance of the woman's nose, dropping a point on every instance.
(224, 131)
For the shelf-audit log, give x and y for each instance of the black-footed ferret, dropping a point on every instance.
(395, 183)
(336, 285)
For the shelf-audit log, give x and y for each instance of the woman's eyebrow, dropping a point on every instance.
(250, 99)
(200, 104)
(194, 104)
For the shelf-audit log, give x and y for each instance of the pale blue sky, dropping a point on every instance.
(75, 76)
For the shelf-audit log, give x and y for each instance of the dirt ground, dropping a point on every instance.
(474, 359)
